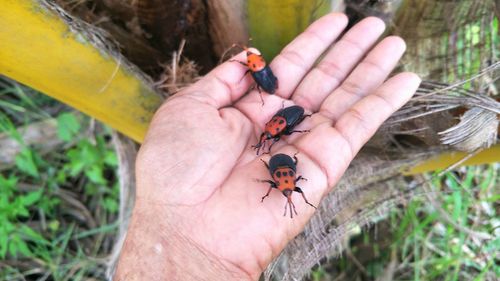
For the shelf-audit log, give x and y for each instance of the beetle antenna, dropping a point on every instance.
(293, 205)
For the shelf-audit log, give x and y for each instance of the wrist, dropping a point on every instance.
(156, 249)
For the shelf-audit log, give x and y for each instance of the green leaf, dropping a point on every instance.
(8, 127)
(23, 248)
(61, 176)
(29, 233)
(95, 174)
(67, 126)
(4, 239)
(21, 210)
(13, 248)
(110, 158)
(4, 204)
(7, 183)
(31, 197)
(54, 225)
(111, 205)
(7, 188)
(26, 163)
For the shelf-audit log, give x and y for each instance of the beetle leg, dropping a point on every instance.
(263, 147)
(304, 196)
(287, 132)
(267, 194)
(292, 207)
(272, 185)
(296, 159)
(304, 117)
(242, 77)
(275, 140)
(265, 163)
(296, 131)
(260, 144)
(242, 63)
(300, 178)
(260, 95)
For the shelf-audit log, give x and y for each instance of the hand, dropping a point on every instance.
(198, 212)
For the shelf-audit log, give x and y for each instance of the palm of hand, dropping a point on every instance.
(197, 162)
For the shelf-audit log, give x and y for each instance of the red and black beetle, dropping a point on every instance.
(282, 123)
(261, 72)
(283, 171)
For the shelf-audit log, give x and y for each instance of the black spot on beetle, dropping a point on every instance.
(286, 181)
(285, 174)
(278, 174)
(292, 173)
(254, 66)
(282, 121)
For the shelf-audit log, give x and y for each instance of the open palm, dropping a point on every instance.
(197, 170)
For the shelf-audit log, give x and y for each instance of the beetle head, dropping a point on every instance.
(287, 193)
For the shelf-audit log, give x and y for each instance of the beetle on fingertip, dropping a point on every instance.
(261, 72)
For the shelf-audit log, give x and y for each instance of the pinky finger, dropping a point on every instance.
(363, 119)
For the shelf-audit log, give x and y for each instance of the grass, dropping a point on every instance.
(452, 233)
(58, 209)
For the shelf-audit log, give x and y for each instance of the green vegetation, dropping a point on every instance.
(58, 208)
(452, 232)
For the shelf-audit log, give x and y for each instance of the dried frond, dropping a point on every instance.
(478, 128)
(431, 113)
(180, 73)
(98, 37)
(433, 97)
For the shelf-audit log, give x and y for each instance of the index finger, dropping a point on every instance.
(223, 85)
(297, 58)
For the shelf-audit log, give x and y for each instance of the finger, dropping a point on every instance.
(297, 58)
(365, 78)
(338, 63)
(333, 148)
(361, 121)
(223, 85)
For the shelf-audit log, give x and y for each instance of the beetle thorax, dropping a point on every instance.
(284, 178)
(255, 62)
(276, 125)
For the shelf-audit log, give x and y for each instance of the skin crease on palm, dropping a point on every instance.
(196, 171)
